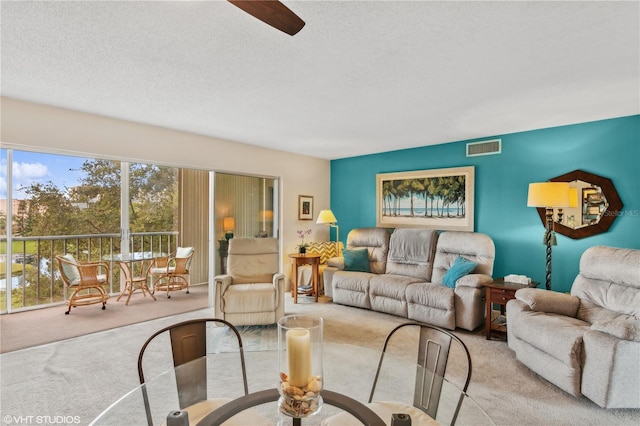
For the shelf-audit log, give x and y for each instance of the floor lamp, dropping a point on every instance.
(548, 195)
(327, 217)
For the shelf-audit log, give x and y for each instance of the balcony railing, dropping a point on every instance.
(35, 280)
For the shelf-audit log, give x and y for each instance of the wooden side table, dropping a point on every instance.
(499, 292)
(297, 260)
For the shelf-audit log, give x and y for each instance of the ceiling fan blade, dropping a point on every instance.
(272, 12)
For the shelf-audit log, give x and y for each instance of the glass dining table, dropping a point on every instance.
(348, 372)
(134, 279)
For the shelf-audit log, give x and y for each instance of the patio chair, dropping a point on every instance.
(434, 349)
(189, 346)
(86, 280)
(171, 272)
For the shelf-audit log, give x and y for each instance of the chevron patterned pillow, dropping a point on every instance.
(326, 250)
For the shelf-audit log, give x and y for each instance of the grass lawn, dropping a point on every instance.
(16, 247)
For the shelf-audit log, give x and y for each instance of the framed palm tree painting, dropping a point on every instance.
(439, 199)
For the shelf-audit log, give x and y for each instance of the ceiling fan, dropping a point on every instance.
(272, 12)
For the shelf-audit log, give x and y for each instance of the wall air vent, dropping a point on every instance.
(475, 149)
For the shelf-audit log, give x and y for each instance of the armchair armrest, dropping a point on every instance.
(278, 284)
(336, 262)
(473, 280)
(222, 282)
(549, 301)
(622, 327)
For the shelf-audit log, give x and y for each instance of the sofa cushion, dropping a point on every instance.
(387, 293)
(610, 373)
(376, 240)
(253, 260)
(622, 327)
(71, 271)
(432, 304)
(606, 294)
(243, 298)
(411, 252)
(556, 335)
(549, 301)
(611, 264)
(356, 260)
(459, 269)
(352, 288)
(473, 246)
(428, 294)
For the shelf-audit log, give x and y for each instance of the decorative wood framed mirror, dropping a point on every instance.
(595, 204)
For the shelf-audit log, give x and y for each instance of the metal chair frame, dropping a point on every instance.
(433, 354)
(191, 384)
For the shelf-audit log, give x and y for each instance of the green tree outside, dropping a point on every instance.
(91, 207)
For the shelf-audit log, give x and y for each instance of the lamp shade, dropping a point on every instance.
(228, 223)
(548, 194)
(266, 215)
(326, 216)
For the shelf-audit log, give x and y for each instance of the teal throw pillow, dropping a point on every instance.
(356, 260)
(460, 268)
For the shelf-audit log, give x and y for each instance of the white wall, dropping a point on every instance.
(36, 127)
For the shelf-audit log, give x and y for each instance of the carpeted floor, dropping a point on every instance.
(82, 376)
(37, 327)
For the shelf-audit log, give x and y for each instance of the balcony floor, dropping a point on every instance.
(31, 328)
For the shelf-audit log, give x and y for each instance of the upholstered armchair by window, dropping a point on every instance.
(252, 291)
(327, 250)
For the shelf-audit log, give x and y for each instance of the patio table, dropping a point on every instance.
(133, 282)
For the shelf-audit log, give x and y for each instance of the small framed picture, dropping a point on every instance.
(305, 207)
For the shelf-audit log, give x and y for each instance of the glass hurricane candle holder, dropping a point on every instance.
(300, 365)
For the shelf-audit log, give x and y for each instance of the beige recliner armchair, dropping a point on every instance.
(586, 343)
(252, 291)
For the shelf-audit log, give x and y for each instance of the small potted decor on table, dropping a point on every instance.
(302, 248)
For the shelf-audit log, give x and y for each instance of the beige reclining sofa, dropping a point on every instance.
(586, 343)
(406, 272)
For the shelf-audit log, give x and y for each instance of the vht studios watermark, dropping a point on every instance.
(8, 419)
(629, 213)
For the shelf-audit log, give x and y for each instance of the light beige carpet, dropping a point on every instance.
(81, 376)
(32, 328)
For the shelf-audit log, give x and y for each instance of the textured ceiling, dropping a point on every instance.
(361, 77)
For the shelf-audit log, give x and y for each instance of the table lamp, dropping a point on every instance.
(228, 224)
(549, 195)
(328, 218)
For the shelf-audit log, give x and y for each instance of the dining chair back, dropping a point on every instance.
(434, 350)
(86, 279)
(188, 341)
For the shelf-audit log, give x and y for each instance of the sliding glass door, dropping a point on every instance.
(57, 204)
(245, 206)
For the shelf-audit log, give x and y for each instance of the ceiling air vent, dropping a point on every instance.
(475, 149)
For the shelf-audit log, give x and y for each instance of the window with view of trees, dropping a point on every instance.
(92, 208)
(55, 196)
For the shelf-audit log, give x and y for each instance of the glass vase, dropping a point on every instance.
(300, 365)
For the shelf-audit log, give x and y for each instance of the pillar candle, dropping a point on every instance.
(299, 357)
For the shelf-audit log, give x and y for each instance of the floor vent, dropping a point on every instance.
(475, 149)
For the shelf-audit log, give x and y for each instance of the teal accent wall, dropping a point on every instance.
(610, 148)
